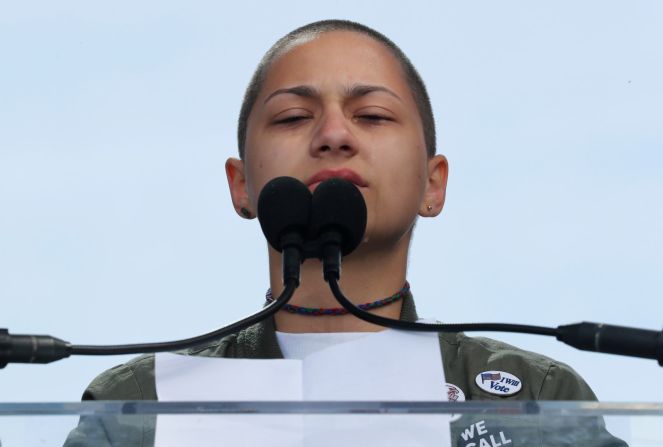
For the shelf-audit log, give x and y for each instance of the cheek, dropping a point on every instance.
(258, 173)
(394, 204)
(403, 170)
(402, 185)
(266, 163)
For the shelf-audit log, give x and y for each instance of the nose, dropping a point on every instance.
(333, 136)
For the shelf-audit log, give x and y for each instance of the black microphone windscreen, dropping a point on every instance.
(284, 206)
(338, 205)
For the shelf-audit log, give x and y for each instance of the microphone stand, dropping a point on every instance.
(283, 210)
(46, 349)
(597, 337)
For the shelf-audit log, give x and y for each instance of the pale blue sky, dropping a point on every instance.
(116, 119)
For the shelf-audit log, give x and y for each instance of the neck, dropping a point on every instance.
(367, 275)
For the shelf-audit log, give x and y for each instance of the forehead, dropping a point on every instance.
(344, 57)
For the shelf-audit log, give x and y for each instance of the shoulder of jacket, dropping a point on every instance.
(542, 378)
(135, 380)
(495, 351)
(132, 380)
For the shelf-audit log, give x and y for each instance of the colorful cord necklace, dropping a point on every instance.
(334, 311)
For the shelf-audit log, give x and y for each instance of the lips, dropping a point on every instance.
(326, 174)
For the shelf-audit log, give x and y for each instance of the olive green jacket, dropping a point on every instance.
(463, 359)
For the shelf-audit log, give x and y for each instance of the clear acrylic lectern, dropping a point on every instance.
(470, 424)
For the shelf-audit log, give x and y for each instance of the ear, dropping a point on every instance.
(436, 188)
(237, 186)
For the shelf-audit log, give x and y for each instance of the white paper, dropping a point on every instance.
(191, 378)
(384, 366)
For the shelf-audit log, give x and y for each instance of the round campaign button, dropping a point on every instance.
(499, 383)
(454, 394)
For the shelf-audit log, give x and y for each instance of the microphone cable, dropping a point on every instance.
(433, 327)
(586, 336)
(45, 349)
(338, 222)
(139, 348)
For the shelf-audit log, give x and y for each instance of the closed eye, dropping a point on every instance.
(291, 119)
(373, 115)
(373, 118)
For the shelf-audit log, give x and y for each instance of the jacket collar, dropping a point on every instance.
(259, 341)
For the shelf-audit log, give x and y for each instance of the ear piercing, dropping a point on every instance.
(429, 208)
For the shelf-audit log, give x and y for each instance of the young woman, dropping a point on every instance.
(338, 99)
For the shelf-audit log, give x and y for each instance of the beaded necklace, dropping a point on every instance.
(335, 311)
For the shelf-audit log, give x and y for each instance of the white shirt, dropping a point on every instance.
(299, 346)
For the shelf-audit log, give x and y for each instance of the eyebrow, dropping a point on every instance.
(305, 91)
(354, 91)
(358, 90)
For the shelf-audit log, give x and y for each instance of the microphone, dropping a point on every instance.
(612, 339)
(338, 222)
(284, 210)
(31, 348)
